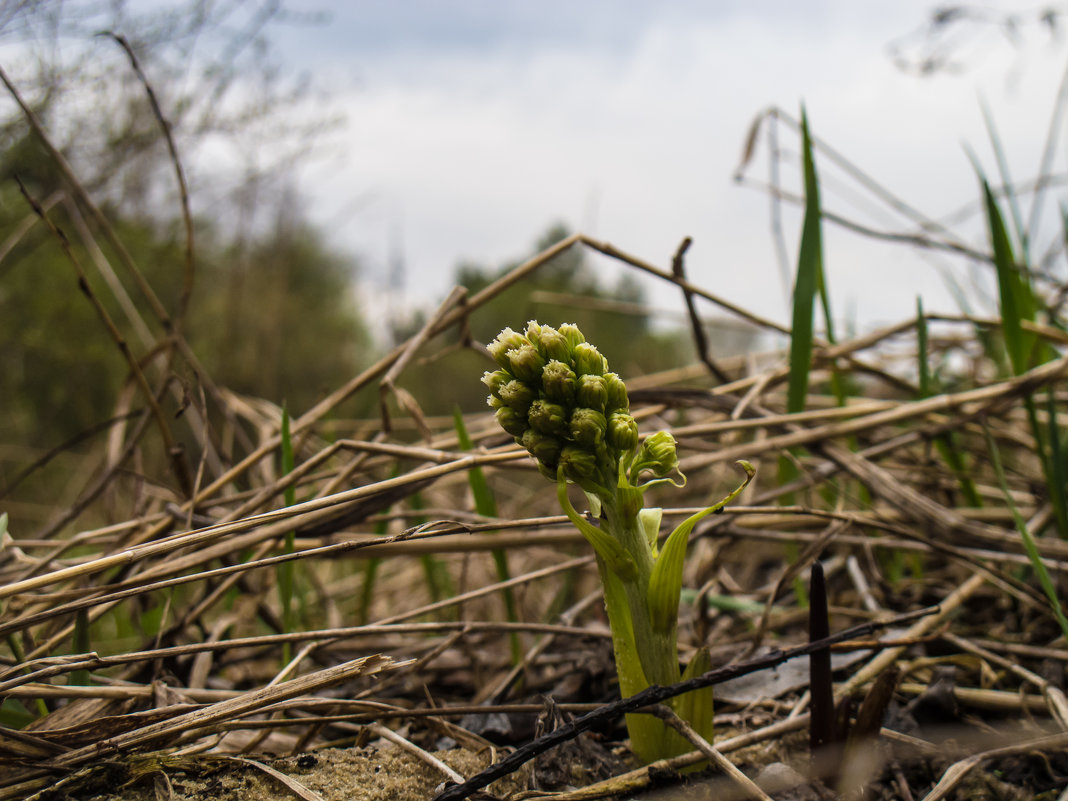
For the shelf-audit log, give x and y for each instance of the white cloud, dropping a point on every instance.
(475, 151)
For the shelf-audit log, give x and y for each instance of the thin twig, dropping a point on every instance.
(655, 695)
(678, 269)
(748, 786)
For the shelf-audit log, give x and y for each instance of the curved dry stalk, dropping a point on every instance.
(243, 704)
(179, 174)
(291, 515)
(714, 755)
(958, 770)
(911, 513)
(120, 341)
(969, 403)
(291, 784)
(42, 668)
(83, 197)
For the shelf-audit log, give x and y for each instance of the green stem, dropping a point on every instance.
(647, 734)
(285, 570)
(657, 649)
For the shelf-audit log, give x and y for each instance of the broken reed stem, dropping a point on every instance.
(179, 174)
(229, 709)
(83, 197)
(956, 772)
(173, 452)
(969, 403)
(715, 756)
(892, 459)
(292, 515)
(655, 694)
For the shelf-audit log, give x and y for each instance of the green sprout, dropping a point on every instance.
(554, 393)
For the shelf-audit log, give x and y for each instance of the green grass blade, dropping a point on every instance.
(809, 267)
(1018, 304)
(82, 645)
(728, 603)
(14, 715)
(984, 334)
(946, 444)
(370, 570)
(1006, 180)
(286, 569)
(1014, 289)
(290, 493)
(806, 285)
(922, 355)
(486, 505)
(438, 580)
(1058, 470)
(1028, 540)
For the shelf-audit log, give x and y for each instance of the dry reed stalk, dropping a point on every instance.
(229, 709)
(201, 550)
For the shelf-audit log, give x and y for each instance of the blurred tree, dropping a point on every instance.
(232, 109)
(58, 370)
(273, 311)
(278, 318)
(275, 317)
(566, 289)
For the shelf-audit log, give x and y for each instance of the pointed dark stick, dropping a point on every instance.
(655, 695)
(821, 728)
(678, 269)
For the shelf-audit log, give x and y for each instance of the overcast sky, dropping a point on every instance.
(473, 125)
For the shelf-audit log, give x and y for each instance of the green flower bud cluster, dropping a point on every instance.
(555, 395)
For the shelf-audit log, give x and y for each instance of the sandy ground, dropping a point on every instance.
(332, 775)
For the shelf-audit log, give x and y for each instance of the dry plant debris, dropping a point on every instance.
(988, 665)
(152, 650)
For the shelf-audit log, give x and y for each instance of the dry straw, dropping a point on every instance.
(868, 482)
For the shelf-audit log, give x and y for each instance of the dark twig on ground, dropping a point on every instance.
(657, 694)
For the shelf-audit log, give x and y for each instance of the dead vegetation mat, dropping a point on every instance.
(206, 620)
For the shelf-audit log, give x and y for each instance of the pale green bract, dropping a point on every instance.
(554, 393)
